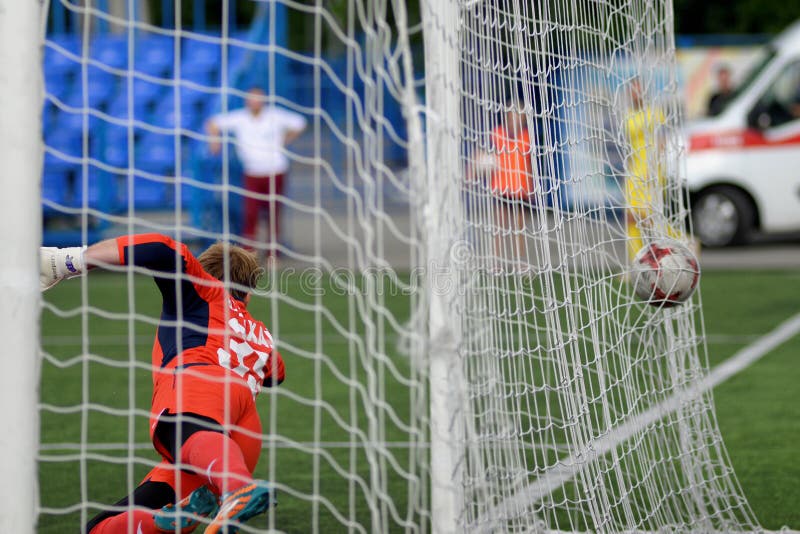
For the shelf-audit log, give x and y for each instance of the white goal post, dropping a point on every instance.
(449, 285)
(21, 154)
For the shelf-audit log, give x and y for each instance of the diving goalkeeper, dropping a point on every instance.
(210, 360)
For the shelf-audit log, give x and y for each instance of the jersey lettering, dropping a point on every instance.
(241, 356)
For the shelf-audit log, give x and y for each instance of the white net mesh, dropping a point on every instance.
(345, 438)
(583, 410)
(551, 158)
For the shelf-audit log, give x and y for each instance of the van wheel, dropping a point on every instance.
(722, 216)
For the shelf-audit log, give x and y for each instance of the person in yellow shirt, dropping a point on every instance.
(644, 168)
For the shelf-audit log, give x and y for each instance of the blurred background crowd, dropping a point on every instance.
(126, 120)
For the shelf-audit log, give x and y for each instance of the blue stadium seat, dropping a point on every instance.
(118, 108)
(155, 153)
(112, 147)
(116, 152)
(213, 104)
(192, 106)
(201, 74)
(73, 121)
(147, 93)
(55, 185)
(113, 130)
(191, 118)
(189, 114)
(69, 145)
(57, 84)
(148, 194)
(193, 98)
(155, 55)
(111, 50)
(236, 55)
(74, 99)
(100, 192)
(68, 121)
(165, 115)
(67, 41)
(57, 60)
(48, 115)
(59, 169)
(101, 86)
(201, 52)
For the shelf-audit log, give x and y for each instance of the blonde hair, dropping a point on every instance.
(243, 269)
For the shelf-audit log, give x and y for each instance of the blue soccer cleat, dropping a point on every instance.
(185, 516)
(240, 505)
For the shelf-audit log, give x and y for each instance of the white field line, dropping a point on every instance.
(571, 466)
(752, 353)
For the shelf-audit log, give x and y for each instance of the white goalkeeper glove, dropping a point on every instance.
(56, 264)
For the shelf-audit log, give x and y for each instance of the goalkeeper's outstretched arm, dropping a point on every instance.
(56, 264)
(158, 254)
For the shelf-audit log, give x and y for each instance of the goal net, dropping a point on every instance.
(580, 408)
(447, 259)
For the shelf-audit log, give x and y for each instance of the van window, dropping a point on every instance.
(781, 101)
(753, 74)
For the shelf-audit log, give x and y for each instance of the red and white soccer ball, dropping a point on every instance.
(665, 273)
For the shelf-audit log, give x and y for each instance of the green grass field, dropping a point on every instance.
(758, 409)
(91, 400)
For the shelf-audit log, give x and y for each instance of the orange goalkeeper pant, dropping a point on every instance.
(211, 392)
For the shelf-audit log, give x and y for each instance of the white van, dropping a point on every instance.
(743, 166)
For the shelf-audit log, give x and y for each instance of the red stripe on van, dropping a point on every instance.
(737, 139)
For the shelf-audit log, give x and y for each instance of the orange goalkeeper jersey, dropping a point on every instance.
(201, 323)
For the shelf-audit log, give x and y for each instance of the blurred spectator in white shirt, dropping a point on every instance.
(261, 132)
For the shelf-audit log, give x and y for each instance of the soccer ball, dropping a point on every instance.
(665, 273)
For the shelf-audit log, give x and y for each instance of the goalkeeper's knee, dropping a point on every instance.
(56, 264)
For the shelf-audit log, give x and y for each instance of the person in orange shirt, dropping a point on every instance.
(512, 181)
